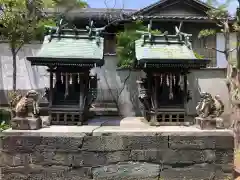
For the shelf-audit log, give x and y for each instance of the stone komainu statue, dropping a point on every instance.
(209, 106)
(27, 105)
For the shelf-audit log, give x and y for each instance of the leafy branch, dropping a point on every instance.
(220, 16)
(126, 43)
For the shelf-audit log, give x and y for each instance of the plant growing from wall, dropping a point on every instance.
(126, 43)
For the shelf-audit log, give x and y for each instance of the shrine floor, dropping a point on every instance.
(117, 150)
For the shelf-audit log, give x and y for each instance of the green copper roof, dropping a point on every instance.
(165, 50)
(162, 51)
(70, 49)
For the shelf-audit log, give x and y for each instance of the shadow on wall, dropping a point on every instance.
(117, 87)
(211, 80)
(28, 77)
(132, 105)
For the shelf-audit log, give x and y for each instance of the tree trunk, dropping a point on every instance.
(14, 56)
(237, 80)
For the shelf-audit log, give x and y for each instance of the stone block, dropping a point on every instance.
(118, 143)
(15, 159)
(15, 176)
(201, 142)
(224, 157)
(227, 168)
(18, 169)
(95, 159)
(191, 142)
(127, 171)
(61, 143)
(169, 156)
(26, 123)
(154, 156)
(192, 172)
(50, 158)
(188, 156)
(38, 172)
(12, 143)
(224, 142)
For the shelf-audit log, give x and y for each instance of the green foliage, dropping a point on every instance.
(206, 32)
(5, 117)
(69, 3)
(40, 28)
(219, 14)
(126, 43)
(198, 56)
(21, 22)
(4, 126)
(219, 4)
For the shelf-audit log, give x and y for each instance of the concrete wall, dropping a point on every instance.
(111, 153)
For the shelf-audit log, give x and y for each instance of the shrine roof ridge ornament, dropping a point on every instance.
(71, 47)
(60, 31)
(166, 51)
(165, 38)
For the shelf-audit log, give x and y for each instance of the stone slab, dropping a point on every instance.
(66, 131)
(97, 130)
(26, 123)
(118, 121)
(162, 130)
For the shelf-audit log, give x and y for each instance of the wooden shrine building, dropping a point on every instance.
(69, 55)
(166, 60)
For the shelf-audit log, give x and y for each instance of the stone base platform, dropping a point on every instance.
(26, 123)
(98, 152)
(209, 123)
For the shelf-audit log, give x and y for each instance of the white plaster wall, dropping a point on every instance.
(208, 80)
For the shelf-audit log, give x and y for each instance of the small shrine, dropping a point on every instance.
(166, 60)
(69, 55)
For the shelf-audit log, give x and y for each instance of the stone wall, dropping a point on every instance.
(89, 153)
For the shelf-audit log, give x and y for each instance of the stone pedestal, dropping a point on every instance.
(28, 123)
(209, 123)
